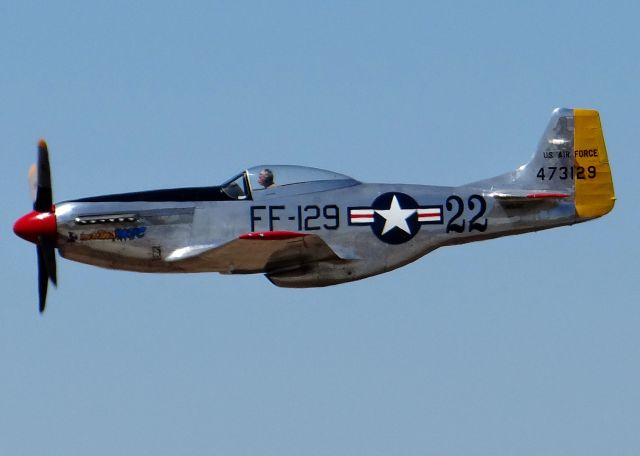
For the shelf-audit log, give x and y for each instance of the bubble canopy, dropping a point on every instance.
(263, 180)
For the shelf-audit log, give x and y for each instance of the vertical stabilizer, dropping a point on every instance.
(570, 161)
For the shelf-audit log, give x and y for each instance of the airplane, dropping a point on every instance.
(307, 227)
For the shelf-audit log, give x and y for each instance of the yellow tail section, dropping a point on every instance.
(594, 185)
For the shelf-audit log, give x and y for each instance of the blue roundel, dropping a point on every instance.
(395, 218)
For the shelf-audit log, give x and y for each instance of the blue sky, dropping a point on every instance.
(524, 345)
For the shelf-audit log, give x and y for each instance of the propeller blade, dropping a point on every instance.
(44, 196)
(43, 279)
(40, 225)
(33, 182)
(46, 268)
(49, 254)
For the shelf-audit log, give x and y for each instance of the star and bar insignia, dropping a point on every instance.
(395, 217)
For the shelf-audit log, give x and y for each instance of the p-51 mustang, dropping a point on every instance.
(306, 227)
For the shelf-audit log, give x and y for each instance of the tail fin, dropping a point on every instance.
(571, 158)
(594, 190)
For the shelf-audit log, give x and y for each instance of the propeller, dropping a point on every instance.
(39, 226)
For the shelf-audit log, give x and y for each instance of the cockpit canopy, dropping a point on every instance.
(286, 180)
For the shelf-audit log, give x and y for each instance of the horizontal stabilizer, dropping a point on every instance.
(527, 196)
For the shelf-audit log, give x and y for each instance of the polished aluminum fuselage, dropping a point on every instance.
(149, 236)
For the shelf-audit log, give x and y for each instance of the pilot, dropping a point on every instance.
(265, 178)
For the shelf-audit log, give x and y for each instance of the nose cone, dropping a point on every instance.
(35, 224)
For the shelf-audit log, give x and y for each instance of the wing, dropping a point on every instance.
(270, 251)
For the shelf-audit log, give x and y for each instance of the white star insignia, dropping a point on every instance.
(395, 216)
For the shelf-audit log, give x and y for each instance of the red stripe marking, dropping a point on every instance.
(361, 215)
(272, 235)
(547, 195)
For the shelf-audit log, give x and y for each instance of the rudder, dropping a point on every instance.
(594, 193)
